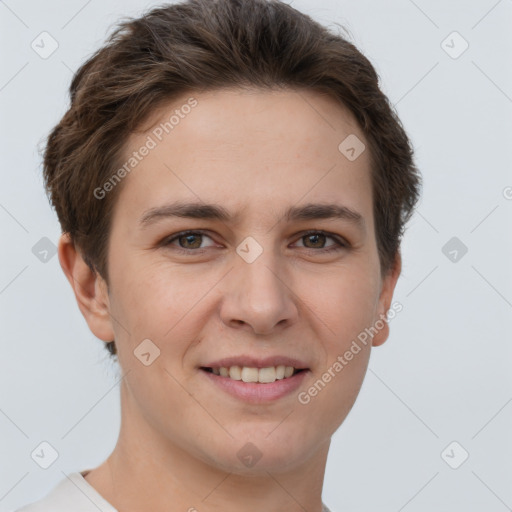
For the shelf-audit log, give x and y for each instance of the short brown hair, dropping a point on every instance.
(200, 45)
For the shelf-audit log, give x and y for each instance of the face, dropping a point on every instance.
(250, 284)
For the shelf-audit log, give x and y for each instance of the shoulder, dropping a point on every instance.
(72, 493)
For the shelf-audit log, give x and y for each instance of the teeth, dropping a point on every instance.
(235, 373)
(249, 374)
(261, 375)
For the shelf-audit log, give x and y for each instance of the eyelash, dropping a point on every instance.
(340, 243)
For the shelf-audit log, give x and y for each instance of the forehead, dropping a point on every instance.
(254, 149)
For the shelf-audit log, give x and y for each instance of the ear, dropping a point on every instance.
(90, 289)
(386, 295)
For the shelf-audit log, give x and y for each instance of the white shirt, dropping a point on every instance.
(75, 494)
(72, 494)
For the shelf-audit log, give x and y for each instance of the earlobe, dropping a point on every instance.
(386, 295)
(90, 289)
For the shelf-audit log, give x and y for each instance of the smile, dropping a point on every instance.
(251, 374)
(256, 385)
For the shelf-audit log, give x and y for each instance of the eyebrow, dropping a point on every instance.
(198, 210)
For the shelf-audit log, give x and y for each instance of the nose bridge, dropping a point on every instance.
(257, 294)
(257, 270)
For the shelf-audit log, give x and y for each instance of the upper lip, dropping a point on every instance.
(256, 362)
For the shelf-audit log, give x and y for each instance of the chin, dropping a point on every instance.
(261, 453)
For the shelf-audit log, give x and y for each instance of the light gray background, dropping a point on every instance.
(444, 373)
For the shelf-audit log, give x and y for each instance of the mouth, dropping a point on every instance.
(255, 375)
(254, 385)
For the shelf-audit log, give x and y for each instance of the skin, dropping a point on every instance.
(260, 152)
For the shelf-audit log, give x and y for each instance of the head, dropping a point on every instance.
(256, 109)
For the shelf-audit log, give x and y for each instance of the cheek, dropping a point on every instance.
(160, 302)
(345, 302)
(147, 301)
(345, 307)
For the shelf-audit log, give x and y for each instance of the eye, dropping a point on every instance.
(317, 238)
(188, 241)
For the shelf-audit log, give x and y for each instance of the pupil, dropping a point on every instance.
(188, 239)
(315, 237)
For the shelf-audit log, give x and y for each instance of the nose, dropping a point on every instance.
(259, 296)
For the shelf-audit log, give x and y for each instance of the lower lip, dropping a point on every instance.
(254, 392)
